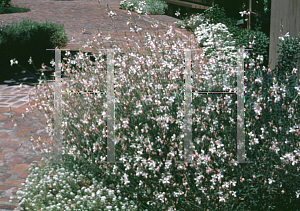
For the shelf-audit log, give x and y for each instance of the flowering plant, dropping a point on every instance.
(149, 90)
(152, 7)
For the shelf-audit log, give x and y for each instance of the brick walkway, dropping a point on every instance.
(16, 152)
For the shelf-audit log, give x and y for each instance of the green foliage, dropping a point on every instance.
(3, 3)
(27, 38)
(214, 15)
(127, 5)
(234, 30)
(271, 136)
(217, 14)
(191, 23)
(289, 54)
(153, 7)
(13, 9)
(276, 118)
(262, 183)
(259, 41)
(157, 7)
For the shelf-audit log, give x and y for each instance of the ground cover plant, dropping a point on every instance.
(151, 7)
(214, 15)
(258, 40)
(149, 120)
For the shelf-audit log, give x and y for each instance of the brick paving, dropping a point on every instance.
(16, 153)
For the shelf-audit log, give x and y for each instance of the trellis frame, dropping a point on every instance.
(188, 120)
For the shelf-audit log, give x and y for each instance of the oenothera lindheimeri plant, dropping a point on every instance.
(149, 123)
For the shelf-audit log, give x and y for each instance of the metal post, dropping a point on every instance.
(57, 145)
(187, 105)
(240, 109)
(110, 108)
(110, 118)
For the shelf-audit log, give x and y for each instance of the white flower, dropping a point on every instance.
(297, 194)
(281, 38)
(138, 11)
(30, 60)
(234, 193)
(271, 181)
(243, 13)
(12, 62)
(260, 57)
(258, 80)
(111, 14)
(222, 199)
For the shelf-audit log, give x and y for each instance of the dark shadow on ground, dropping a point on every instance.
(28, 79)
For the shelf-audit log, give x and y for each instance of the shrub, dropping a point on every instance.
(275, 113)
(214, 15)
(65, 189)
(289, 55)
(3, 3)
(243, 36)
(152, 7)
(192, 23)
(13, 9)
(258, 41)
(149, 110)
(213, 36)
(27, 39)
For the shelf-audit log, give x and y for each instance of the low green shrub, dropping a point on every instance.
(216, 14)
(153, 7)
(258, 41)
(213, 15)
(287, 64)
(289, 54)
(27, 38)
(192, 23)
(13, 9)
(65, 189)
(243, 37)
(3, 3)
